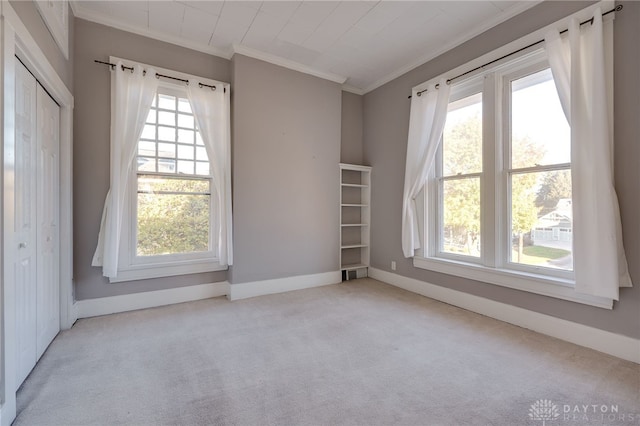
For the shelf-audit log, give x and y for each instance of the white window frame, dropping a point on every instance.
(132, 267)
(435, 202)
(537, 62)
(493, 266)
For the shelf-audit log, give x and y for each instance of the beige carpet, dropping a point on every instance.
(357, 353)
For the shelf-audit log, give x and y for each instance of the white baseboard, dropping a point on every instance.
(130, 302)
(604, 341)
(282, 285)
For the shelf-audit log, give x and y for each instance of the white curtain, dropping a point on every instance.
(211, 110)
(426, 123)
(132, 95)
(579, 70)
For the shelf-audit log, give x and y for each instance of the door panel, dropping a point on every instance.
(48, 288)
(25, 222)
(36, 229)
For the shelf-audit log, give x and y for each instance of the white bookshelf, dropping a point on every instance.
(355, 218)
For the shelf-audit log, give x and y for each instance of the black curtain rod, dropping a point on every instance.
(201, 85)
(618, 8)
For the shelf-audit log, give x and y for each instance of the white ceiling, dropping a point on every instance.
(361, 44)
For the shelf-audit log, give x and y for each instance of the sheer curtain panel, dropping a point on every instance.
(132, 95)
(580, 72)
(211, 110)
(426, 123)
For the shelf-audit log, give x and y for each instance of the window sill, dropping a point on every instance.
(160, 270)
(529, 282)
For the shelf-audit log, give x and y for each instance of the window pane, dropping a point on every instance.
(172, 216)
(460, 229)
(185, 152)
(147, 149)
(167, 133)
(167, 150)
(185, 121)
(540, 133)
(462, 137)
(184, 105)
(542, 219)
(185, 167)
(201, 154)
(166, 147)
(166, 166)
(146, 164)
(202, 168)
(149, 132)
(185, 136)
(166, 102)
(167, 118)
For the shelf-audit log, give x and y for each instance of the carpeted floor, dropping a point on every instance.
(357, 353)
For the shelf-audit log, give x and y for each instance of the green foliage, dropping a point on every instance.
(554, 187)
(462, 154)
(172, 223)
(462, 145)
(524, 211)
(461, 212)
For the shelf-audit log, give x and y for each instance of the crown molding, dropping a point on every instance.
(74, 7)
(243, 50)
(287, 63)
(474, 32)
(87, 15)
(520, 7)
(353, 89)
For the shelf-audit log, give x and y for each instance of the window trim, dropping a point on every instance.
(491, 268)
(132, 267)
(525, 281)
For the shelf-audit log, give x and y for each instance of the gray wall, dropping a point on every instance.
(91, 143)
(351, 149)
(286, 148)
(386, 121)
(31, 18)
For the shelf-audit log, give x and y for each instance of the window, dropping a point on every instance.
(529, 183)
(502, 184)
(172, 223)
(500, 203)
(173, 200)
(539, 172)
(460, 171)
(168, 210)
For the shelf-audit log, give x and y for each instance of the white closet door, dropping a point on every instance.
(36, 229)
(25, 264)
(48, 252)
